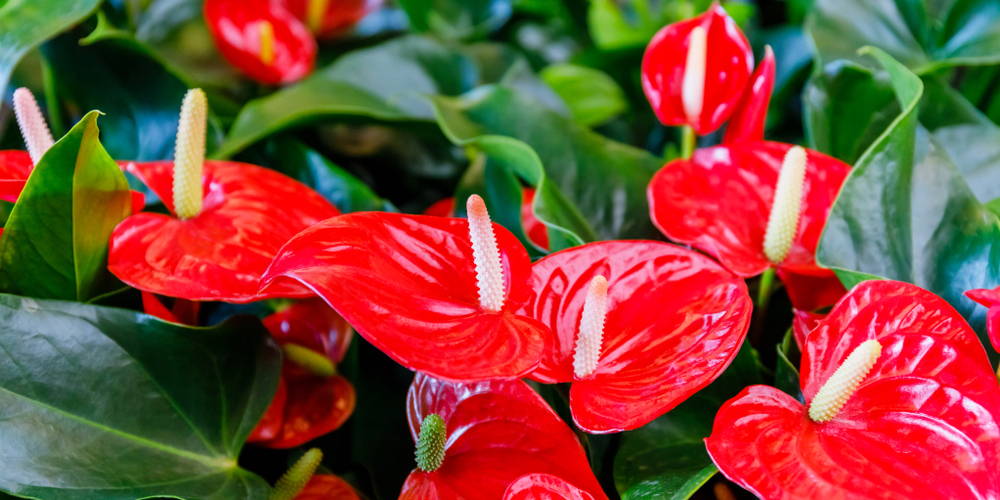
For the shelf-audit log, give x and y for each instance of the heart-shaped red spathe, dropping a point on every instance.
(675, 320)
(306, 405)
(544, 487)
(15, 167)
(337, 17)
(236, 26)
(922, 424)
(407, 283)
(248, 213)
(497, 432)
(327, 487)
(750, 114)
(729, 62)
(719, 201)
(990, 299)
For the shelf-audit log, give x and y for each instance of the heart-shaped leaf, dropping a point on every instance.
(109, 404)
(55, 244)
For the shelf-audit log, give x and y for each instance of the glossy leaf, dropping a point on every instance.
(109, 404)
(631, 23)
(55, 243)
(249, 213)
(25, 24)
(719, 201)
(930, 398)
(729, 63)
(592, 96)
(457, 19)
(413, 292)
(497, 432)
(666, 458)
(905, 213)
(386, 82)
(588, 187)
(652, 358)
(547, 486)
(262, 39)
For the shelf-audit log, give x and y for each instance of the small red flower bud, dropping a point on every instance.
(695, 76)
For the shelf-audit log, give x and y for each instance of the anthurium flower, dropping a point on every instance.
(438, 295)
(327, 487)
(900, 402)
(328, 18)
(475, 439)
(638, 327)
(754, 205)
(694, 70)
(262, 39)
(990, 299)
(182, 311)
(312, 400)
(544, 486)
(536, 231)
(227, 222)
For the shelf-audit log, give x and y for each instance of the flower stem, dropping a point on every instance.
(764, 290)
(688, 142)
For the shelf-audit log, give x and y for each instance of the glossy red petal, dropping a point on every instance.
(750, 114)
(283, 53)
(675, 321)
(327, 487)
(804, 322)
(442, 208)
(544, 487)
(335, 17)
(15, 167)
(812, 291)
(270, 425)
(924, 423)
(497, 431)
(315, 406)
(249, 213)
(138, 201)
(990, 299)
(719, 202)
(183, 311)
(312, 324)
(407, 283)
(728, 67)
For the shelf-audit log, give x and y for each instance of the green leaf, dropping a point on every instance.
(346, 192)
(593, 96)
(786, 375)
(589, 187)
(922, 35)
(905, 213)
(387, 82)
(55, 243)
(457, 19)
(666, 459)
(24, 24)
(109, 404)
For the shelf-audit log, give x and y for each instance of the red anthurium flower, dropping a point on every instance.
(15, 167)
(901, 402)
(804, 322)
(327, 487)
(227, 222)
(475, 439)
(694, 71)
(639, 326)
(182, 311)
(262, 39)
(327, 18)
(750, 113)
(536, 231)
(754, 205)
(311, 400)
(990, 299)
(544, 487)
(436, 294)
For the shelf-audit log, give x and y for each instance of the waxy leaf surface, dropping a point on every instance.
(408, 285)
(497, 432)
(923, 423)
(109, 404)
(248, 213)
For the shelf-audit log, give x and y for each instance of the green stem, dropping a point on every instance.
(52, 100)
(688, 141)
(764, 292)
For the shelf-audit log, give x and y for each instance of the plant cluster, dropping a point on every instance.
(496, 250)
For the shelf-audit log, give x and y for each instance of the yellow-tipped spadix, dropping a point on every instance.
(486, 254)
(189, 154)
(783, 223)
(591, 334)
(844, 382)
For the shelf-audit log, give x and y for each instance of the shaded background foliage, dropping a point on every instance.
(426, 99)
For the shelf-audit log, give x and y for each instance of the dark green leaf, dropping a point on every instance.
(906, 213)
(632, 23)
(108, 404)
(590, 187)
(55, 243)
(387, 82)
(592, 96)
(786, 375)
(666, 459)
(24, 24)
(457, 19)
